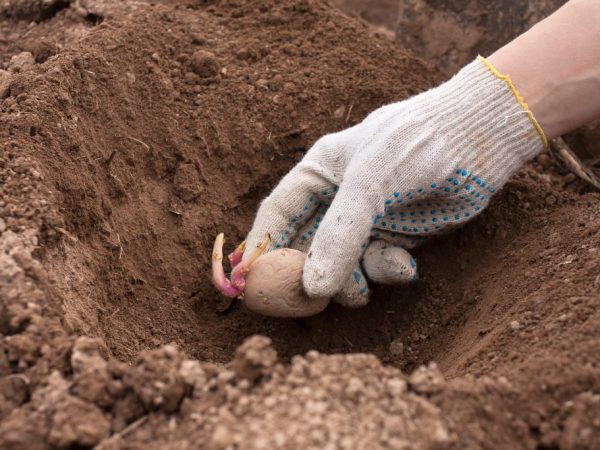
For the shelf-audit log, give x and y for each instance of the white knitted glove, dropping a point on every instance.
(409, 171)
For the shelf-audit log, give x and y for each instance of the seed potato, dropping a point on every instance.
(274, 286)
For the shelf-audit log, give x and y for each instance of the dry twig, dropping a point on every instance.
(561, 151)
(132, 426)
(120, 246)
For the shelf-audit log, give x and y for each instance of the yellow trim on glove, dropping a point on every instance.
(511, 86)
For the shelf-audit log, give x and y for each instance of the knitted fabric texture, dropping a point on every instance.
(408, 171)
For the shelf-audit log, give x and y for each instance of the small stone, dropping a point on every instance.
(2, 225)
(290, 49)
(397, 347)
(20, 62)
(289, 87)
(515, 325)
(192, 374)
(339, 113)
(198, 39)
(130, 78)
(190, 77)
(205, 64)
(427, 380)
(550, 200)
(263, 84)
(312, 355)
(86, 355)
(276, 82)
(245, 54)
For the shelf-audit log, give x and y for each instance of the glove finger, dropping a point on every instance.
(355, 291)
(340, 239)
(290, 206)
(387, 264)
(313, 182)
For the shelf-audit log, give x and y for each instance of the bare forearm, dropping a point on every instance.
(556, 67)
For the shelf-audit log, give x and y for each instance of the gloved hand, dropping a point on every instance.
(382, 262)
(410, 170)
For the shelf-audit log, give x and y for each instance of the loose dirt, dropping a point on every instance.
(141, 131)
(383, 14)
(453, 32)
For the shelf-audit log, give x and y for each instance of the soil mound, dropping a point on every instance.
(125, 151)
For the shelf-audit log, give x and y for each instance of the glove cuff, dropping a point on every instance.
(507, 80)
(484, 122)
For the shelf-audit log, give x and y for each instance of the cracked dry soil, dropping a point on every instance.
(132, 132)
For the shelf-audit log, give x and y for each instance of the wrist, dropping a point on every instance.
(555, 67)
(539, 93)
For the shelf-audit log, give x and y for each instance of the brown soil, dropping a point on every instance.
(151, 127)
(453, 32)
(380, 13)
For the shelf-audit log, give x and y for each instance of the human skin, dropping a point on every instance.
(555, 66)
